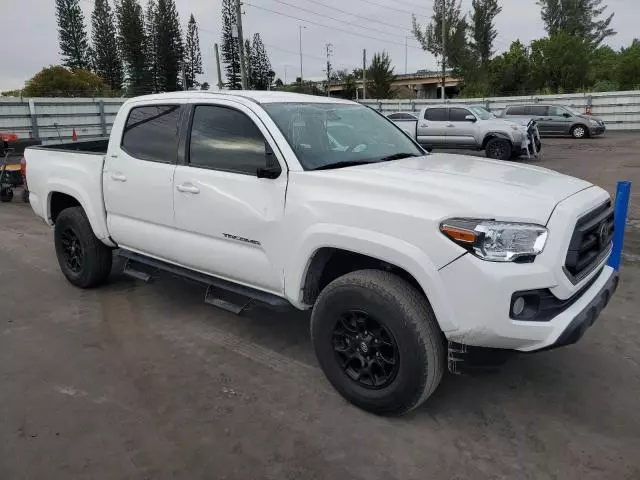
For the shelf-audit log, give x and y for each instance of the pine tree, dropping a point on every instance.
(261, 69)
(483, 28)
(580, 18)
(170, 48)
(106, 60)
(230, 51)
(380, 76)
(74, 45)
(132, 42)
(251, 65)
(193, 57)
(151, 44)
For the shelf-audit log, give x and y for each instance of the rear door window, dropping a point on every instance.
(436, 114)
(537, 111)
(151, 133)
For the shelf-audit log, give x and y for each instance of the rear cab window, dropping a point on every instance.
(436, 114)
(151, 133)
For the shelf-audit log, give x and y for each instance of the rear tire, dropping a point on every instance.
(579, 132)
(84, 260)
(6, 194)
(397, 359)
(25, 195)
(498, 149)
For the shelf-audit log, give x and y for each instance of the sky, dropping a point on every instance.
(30, 41)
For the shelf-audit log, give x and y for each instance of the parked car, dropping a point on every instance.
(410, 263)
(557, 120)
(471, 127)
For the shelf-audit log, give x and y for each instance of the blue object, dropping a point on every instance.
(623, 193)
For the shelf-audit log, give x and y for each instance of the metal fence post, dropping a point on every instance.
(34, 119)
(623, 193)
(103, 120)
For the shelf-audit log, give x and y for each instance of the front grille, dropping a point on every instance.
(590, 242)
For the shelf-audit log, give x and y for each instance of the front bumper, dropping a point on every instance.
(597, 129)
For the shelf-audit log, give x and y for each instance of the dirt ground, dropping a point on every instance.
(145, 381)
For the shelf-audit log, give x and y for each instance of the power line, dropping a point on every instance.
(327, 26)
(369, 19)
(338, 19)
(401, 10)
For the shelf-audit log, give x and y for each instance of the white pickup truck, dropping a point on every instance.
(411, 262)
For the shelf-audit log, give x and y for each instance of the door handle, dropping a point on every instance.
(451, 126)
(188, 188)
(423, 125)
(118, 177)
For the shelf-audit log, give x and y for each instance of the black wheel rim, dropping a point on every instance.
(366, 351)
(72, 250)
(497, 150)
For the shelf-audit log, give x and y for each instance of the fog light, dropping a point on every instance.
(518, 306)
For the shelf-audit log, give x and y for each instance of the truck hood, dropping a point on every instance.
(461, 185)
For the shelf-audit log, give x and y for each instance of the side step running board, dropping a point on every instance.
(220, 293)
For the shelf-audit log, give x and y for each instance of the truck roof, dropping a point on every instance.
(258, 96)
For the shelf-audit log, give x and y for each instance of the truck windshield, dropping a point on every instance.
(482, 113)
(333, 135)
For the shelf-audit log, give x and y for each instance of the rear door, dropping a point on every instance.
(432, 127)
(540, 113)
(229, 220)
(460, 131)
(138, 178)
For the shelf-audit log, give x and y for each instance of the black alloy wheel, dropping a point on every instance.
(72, 250)
(365, 349)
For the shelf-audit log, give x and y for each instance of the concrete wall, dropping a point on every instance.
(53, 119)
(619, 110)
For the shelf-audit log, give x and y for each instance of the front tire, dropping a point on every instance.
(579, 132)
(498, 149)
(378, 342)
(84, 260)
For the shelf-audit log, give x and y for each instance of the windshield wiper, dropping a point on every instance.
(397, 156)
(350, 163)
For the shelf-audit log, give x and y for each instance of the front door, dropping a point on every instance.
(229, 220)
(561, 120)
(460, 131)
(138, 179)
(432, 128)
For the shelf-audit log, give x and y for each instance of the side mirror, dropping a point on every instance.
(272, 169)
(566, 115)
(470, 118)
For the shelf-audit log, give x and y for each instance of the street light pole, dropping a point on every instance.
(300, 27)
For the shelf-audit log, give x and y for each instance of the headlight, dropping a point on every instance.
(593, 122)
(497, 241)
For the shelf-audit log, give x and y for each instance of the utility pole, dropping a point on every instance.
(300, 27)
(184, 77)
(329, 52)
(364, 74)
(220, 85)
(444, 47)
(243, 70)
(406, 48)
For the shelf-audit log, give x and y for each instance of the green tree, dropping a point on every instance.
(483, 28)
(604, 69)
(629, 67)
(251, 65)
(582, 18)
(260, 65)
(132, 41)
(193, 57)
(380, 77)
(229, 47)
(74, 45)
(510, 73)
(560, 63)
(59, 81)
(456, 53)
(205, 86)
(151, 45)
(106, 60)
(170, 51)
